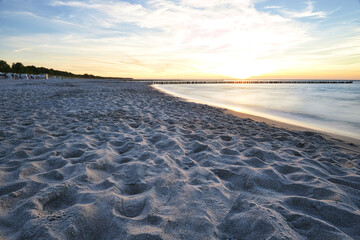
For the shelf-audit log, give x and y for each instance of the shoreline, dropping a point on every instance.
(345, 142)
(97, 159)
(348, 143)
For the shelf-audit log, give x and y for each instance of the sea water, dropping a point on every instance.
(332, 108)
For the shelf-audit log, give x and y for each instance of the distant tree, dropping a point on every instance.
(18, 67)
(31, 70)
(43, 70)
(4, 67)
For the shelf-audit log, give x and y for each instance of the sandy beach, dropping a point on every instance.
(106, 159)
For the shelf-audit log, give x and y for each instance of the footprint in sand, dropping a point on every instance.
(130, 207)
(145, 236)
(57, 198)
(13, 187)
(53, 175)
(135, 188)
(72, 153)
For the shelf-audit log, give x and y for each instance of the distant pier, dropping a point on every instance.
(248, 82)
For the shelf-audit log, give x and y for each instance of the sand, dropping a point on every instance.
(92, 159)
(344, 142)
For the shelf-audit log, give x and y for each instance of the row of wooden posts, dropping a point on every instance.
(250, 82)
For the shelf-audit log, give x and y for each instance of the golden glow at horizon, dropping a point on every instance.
(189, 39)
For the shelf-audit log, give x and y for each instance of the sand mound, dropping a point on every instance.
(83, 159)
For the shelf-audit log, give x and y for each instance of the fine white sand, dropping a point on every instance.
(96, 159)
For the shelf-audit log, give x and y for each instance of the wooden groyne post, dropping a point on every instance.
(248, 82)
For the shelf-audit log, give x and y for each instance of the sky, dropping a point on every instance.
(185, 39)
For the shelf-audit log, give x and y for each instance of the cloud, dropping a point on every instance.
(272, 7)
(169, 38)
(22, 50)
(308, 12)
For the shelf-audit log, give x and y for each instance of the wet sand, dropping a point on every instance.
(347, 143)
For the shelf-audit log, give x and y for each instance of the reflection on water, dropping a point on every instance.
(333, 108)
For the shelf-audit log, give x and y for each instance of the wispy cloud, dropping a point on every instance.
(17, 13)
(308, 12)
(210, 36)
(22, 50)
(272, 7)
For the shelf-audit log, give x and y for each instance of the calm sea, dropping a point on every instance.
(333, 108)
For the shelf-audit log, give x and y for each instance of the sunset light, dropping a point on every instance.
(187, 39)
(179, 119)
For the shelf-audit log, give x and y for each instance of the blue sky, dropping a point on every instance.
(184, 38)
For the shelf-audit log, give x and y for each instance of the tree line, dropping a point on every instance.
(20, 68)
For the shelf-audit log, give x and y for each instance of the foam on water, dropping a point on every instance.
(333, 108)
